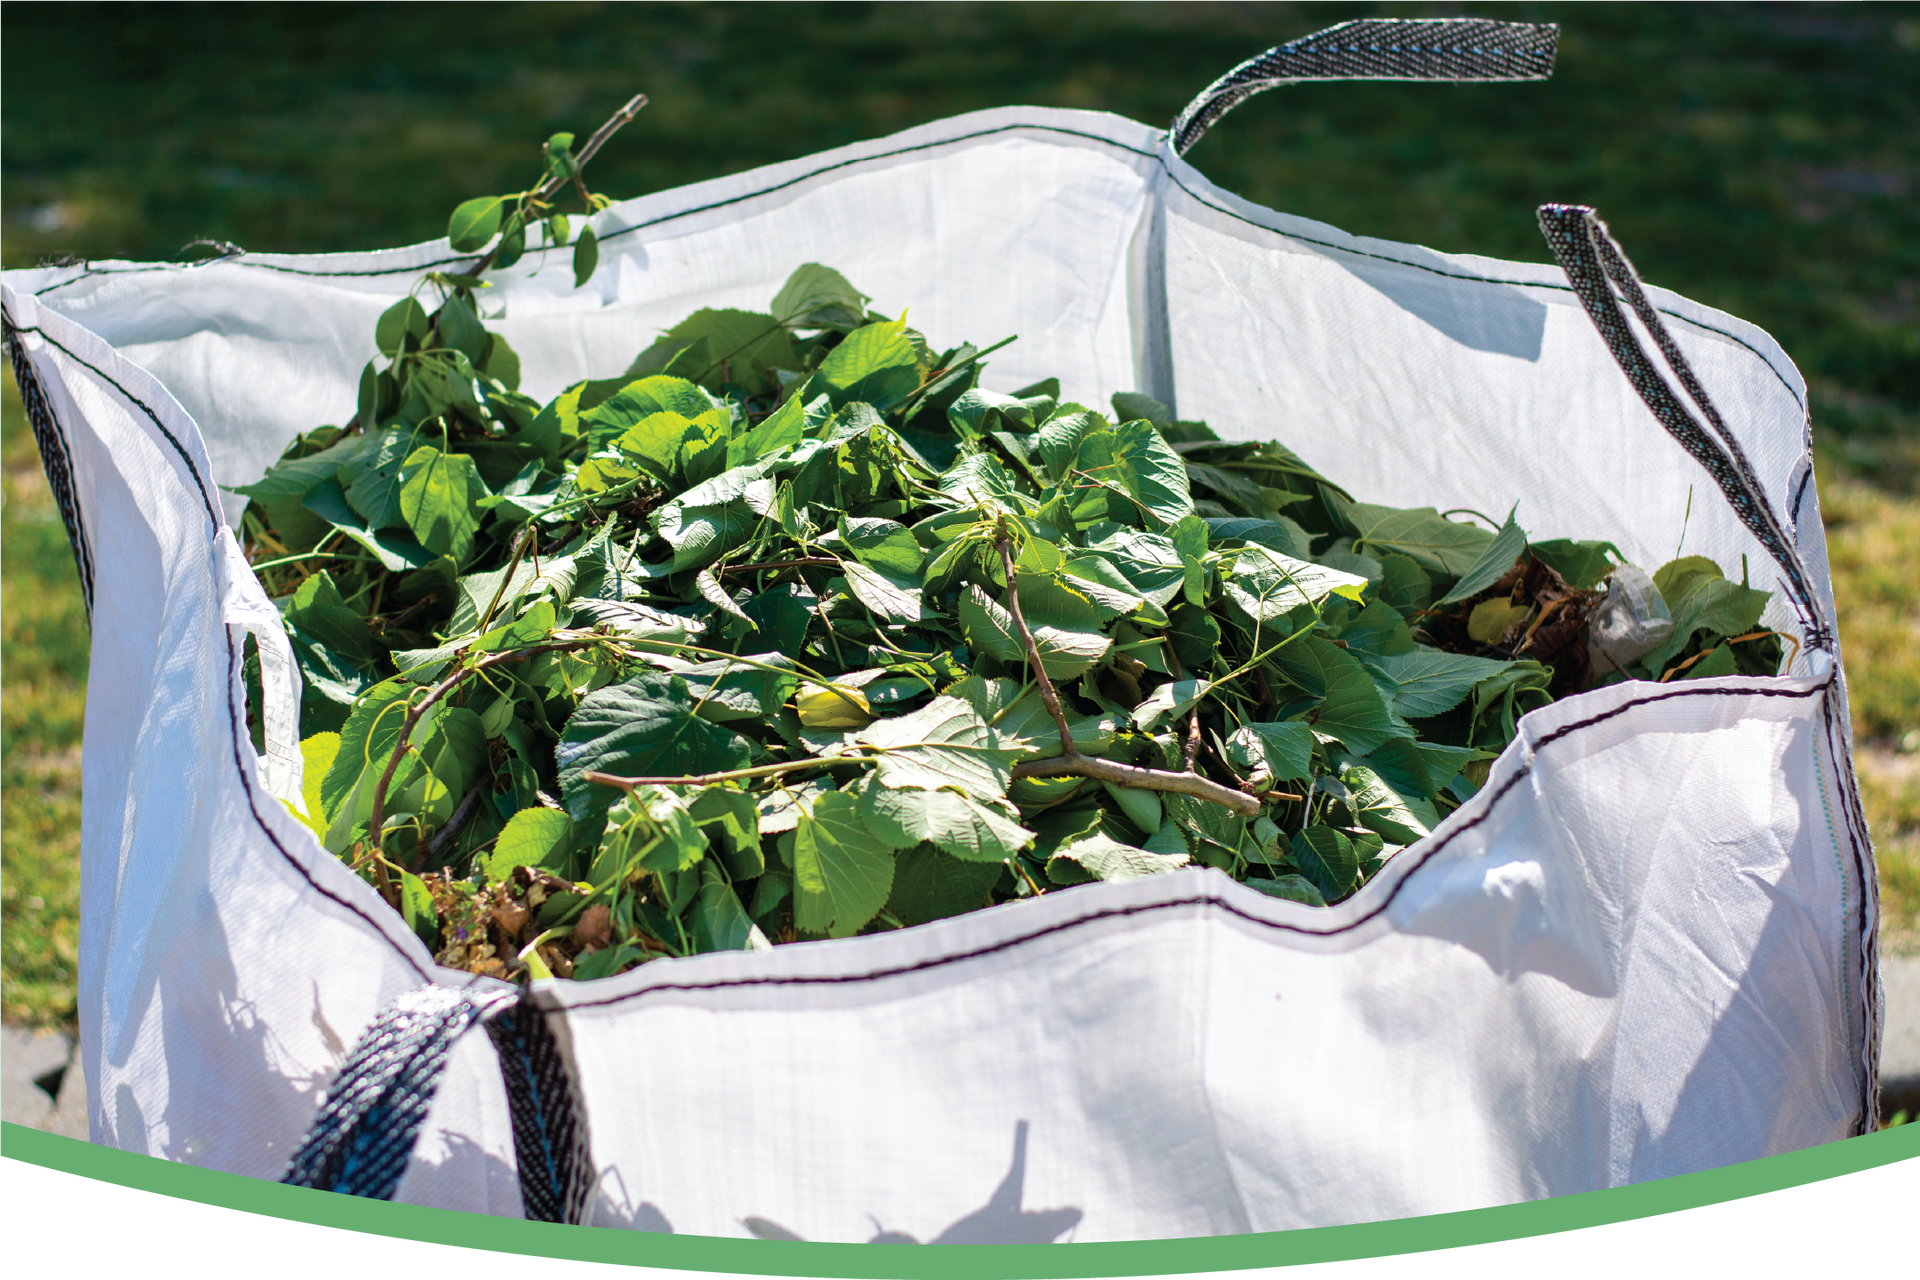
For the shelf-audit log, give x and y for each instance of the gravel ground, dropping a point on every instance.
(44, 1088)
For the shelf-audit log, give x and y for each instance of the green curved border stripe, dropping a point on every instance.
(941, 1262)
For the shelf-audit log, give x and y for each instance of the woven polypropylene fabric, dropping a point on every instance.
(1455, 49)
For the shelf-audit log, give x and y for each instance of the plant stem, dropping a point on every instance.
(730, 775)
(1073, 764)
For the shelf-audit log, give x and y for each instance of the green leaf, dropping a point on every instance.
(1491, 619)
(416, 905)
(372, 477)
(1702, 601)
(743, 347)
(405, 318)
(1327, 859)
(318, 611)
(1353, 710)
(817, 297)
(437, 495)
(1149, 561)
(842, 872)
(1581, 565)
(875, 364)
(1404, 584)
(586, 255)
(1498, 557)
(1376, 631)
(883, 544)
(643, 726)
(887, 595)
(366, 741)
(1103, 858)
(1290, 888)
(460, 329)
(1436, 544)
(944, 744)
(474, 222)
(962, 827)
(1432, 681)
(931, 885)
(727, 691)
(536, 837)
(1148, 468)
(719, 921)
(1382, 809)
(1278, 534)
(1266, 586)
(1168, 703)
(1283, 747)
(396, 552)
(1069, 640)
(561, 166)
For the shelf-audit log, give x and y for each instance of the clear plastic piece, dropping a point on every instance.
(1632, 622)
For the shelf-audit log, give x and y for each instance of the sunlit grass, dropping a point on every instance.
(43, 677)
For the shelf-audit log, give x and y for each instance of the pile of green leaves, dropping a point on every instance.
(764, 640)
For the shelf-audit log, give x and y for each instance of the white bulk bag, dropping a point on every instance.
(1645, 947)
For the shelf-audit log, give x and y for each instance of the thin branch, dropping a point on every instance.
(730, 775)
(805, 562)
(1047, 695)
(1073, 764)
(1130, 775)
(452, 682)
(551, 187)
(444, 837)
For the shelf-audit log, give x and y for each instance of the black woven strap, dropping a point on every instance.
(370, 1120)
(1456, 49)
(54, 457)
(1597, 268)
(549, 1126)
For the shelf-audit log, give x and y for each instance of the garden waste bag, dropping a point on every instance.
(1644, 947)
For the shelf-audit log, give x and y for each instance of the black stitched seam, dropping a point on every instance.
(1869, 942)
(246, 784)
(192, 470)
(1212, 900)
(967, 137)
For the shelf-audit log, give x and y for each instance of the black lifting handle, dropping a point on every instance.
(1445, 49)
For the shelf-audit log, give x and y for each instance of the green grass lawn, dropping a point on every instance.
(1756, 157)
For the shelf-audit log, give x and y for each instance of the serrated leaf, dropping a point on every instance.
(874, 364)
(1104, 858)
(954, 823)
(944, 744)
(1431, 681)
(888, 595)
(814, 292)
(1326, 857)
(1352, 710)
(719, 921)
(931, 885)
(536, 837)
(1581, 565)
(1436, 544)
(1490, 619)
(642, 726)
(1148, 468)
(1290, 888)
(1168, 703)
(437, 495)
(842, 872)
(1266, 585)
(1283, 747)
(1065, 650)
(1381, 808)
(1494, 561)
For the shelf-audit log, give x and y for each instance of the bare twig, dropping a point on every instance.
(1129, 775)
(452, 682)
(805, 562)
(1047, 695)
(443, 837)
(730, 775)
(1073, 764)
